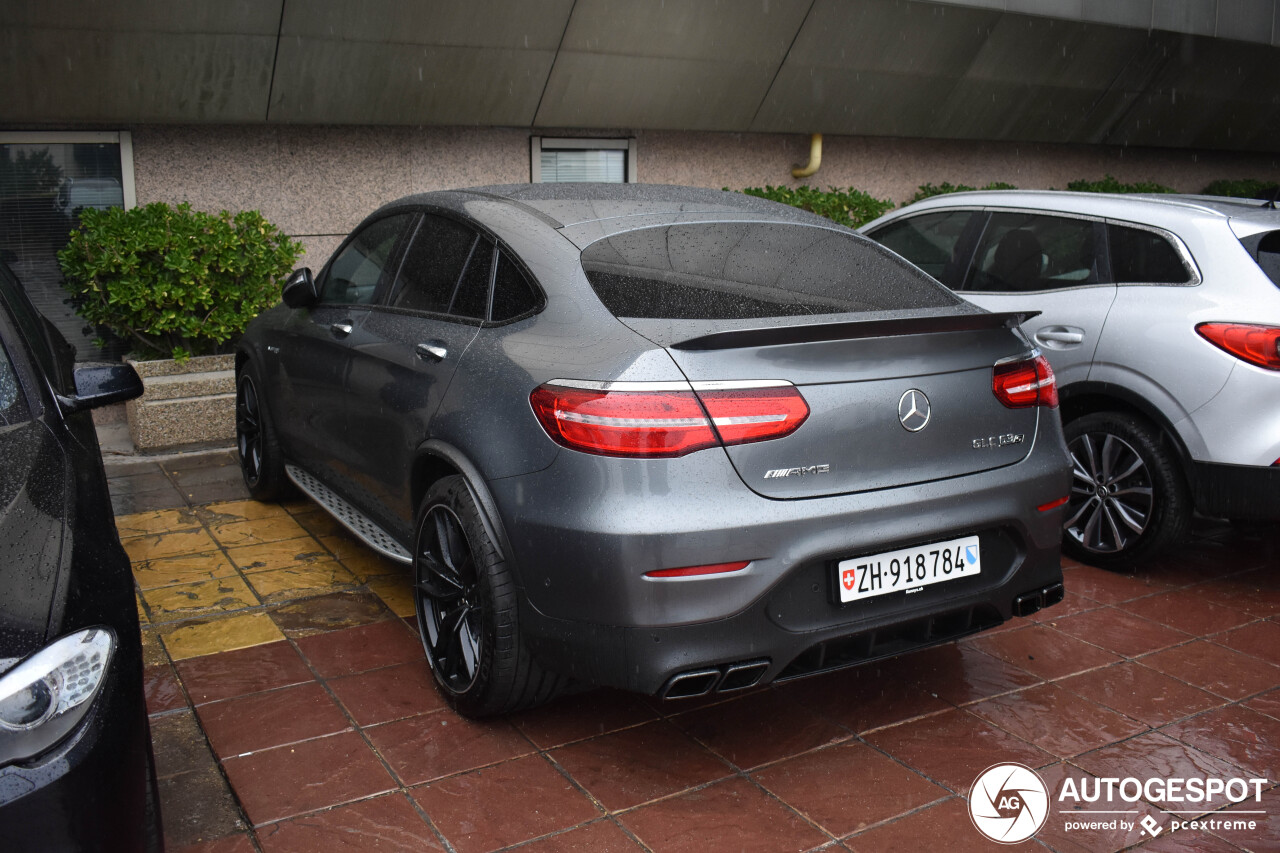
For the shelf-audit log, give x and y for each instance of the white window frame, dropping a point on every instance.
(583, 144)
(122, 138)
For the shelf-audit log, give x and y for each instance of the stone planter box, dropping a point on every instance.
(184, 405)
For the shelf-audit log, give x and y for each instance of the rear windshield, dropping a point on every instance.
(748, 270)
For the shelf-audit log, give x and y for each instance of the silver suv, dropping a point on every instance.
(1161, 318)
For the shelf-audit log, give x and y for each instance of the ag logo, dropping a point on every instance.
(1008, 803)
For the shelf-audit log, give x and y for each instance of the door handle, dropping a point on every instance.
(341, 329)
(433, 351)
(1060, 337)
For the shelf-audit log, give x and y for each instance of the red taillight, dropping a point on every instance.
(1029, 382)
(695, 571)
(665, 423)
(1258, 345)
(755, 414)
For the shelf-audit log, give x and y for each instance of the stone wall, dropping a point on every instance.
(317, 183)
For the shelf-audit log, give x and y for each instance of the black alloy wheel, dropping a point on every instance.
(249, 430)
(448, 599)
(468, 613)
(261, 461)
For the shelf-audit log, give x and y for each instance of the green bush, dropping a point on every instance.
(849, 207)
(1242, 188)
(929, 190)
(1110, 185)
(173, 282)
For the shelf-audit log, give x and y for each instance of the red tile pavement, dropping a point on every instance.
(504, 804)
(729, 815)
(335, 739)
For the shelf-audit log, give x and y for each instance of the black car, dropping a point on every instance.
(76, 770)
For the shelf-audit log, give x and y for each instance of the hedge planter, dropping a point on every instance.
(185, 404)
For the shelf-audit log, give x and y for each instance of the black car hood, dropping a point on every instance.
(33, 488)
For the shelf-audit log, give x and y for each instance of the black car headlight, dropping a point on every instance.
(44, 697)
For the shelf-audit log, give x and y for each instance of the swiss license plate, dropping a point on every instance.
(908, 569)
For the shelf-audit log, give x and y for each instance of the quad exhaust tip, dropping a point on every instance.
(1030, 602)
(726, 679)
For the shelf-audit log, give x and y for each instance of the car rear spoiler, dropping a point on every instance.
(804, 333)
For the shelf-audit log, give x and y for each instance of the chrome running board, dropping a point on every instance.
(351, 518)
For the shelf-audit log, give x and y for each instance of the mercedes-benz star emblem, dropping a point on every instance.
(913, 410)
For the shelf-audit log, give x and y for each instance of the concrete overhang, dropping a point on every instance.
(1169, 73)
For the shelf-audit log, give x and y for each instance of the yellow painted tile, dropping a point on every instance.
(169, 545)
(320, 523)
(154, 523)
(257, 531)
(283, 584)
(208, 636)
(230, 511)
(153, 653)
(190, 599)
(396, 592)
(344, 546)
(168, 571)
(142, 611)
(368, 563)
(285, 554)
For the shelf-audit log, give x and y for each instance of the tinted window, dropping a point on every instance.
(737, 270)
(12, 407)
(433, 265)
(472, 296)
(929, 241)
(30, 322)
(1022, 252)
(1268, 256)
(354, 274)
(513, 295)
(1143, 257)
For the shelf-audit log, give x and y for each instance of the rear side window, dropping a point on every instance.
(471, 299)
(748, 270)
(512, 293)
(1139, 256)
(354, 274)
(1267, 253)
(1028, 252)
(929, 241)
(433, 265)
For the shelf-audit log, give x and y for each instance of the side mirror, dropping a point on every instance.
(300, 289)
(99, 385)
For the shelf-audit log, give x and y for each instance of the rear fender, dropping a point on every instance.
(435, 450)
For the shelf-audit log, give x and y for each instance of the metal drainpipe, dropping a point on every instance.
(815, 158)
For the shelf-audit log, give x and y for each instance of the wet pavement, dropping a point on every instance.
(292, 710)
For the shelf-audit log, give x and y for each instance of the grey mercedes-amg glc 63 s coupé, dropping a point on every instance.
(671, 440)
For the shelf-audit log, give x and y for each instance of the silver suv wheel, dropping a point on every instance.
(1129, 500)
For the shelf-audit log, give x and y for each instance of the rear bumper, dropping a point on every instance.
(1237, 491)
(749, 648)
(589, 613)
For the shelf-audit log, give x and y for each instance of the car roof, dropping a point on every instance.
(1117, 205)
(571, 204)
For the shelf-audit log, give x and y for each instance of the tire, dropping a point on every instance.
(1129, 501)
(467, 611)
(261, 462)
